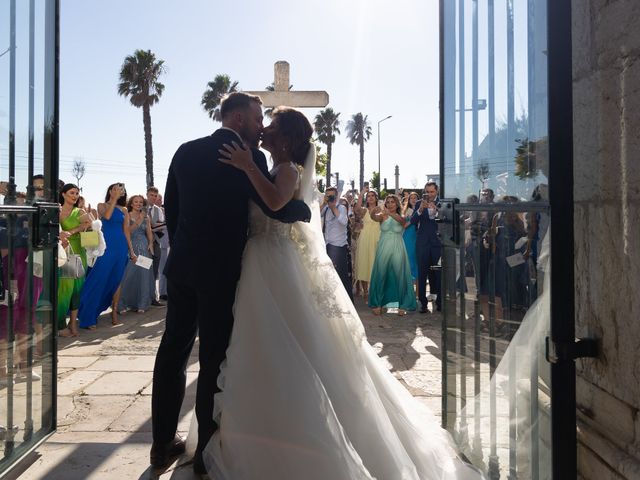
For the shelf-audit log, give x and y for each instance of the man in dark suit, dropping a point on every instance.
(428, 245)
(206, 206)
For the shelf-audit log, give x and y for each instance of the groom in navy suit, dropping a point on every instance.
(206, 205)
(428, 245)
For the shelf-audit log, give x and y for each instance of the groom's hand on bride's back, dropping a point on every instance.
(294, 211)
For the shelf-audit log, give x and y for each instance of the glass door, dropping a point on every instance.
(28, 224)
(506, 174)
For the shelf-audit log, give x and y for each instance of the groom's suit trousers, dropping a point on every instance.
(206, 312)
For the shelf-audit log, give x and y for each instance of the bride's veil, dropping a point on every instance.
(311, 244)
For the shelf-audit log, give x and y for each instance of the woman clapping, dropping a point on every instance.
(391, 282)
(137, 287)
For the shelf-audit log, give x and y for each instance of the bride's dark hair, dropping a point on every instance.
(295, 131)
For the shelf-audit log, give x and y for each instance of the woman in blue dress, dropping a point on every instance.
(101, 285)
(410, 233)
(137, 288)
(391, 284)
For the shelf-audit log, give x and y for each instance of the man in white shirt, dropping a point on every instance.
(163, 240)
(159, 229)
(334, 227)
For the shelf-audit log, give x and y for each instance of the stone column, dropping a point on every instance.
(606, 63)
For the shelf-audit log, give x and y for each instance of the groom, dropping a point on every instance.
(206, 205)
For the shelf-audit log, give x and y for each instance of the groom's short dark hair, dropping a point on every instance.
(236, 101)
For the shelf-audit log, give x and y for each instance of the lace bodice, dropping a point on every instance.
(260, 224)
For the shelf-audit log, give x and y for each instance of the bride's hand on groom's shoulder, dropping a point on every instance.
(238, 156)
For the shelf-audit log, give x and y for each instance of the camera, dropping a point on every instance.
(331, 198)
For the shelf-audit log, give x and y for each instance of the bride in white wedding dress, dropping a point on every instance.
(304, 396)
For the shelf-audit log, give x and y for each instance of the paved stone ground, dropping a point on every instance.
(104, 402)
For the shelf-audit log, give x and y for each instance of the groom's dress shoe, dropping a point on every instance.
(162, 455)
(198, 464)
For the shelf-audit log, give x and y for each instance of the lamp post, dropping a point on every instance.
(379, 173)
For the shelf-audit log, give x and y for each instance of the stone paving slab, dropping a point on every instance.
(75, 349)
(123, 363)
(68, 361)
(77, 381)
(96, 413)
(92, 456)
(119, 383)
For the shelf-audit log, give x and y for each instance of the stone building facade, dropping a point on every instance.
(606, 96)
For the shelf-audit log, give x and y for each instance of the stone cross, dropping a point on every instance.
(283, 96)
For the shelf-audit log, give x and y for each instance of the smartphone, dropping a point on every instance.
(425, 197)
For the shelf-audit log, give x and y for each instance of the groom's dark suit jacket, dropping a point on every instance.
(206, 204)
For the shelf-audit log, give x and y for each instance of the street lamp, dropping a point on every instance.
(379, 173)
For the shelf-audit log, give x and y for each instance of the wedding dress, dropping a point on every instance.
(304, 396)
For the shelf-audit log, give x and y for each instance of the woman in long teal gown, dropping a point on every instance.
(410, 234)
(101, 286)
(391, 283)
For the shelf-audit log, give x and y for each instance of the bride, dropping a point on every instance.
(304, 396)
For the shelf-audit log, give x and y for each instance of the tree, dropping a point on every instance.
(139, 76)
(326, 126)
(321, 162)
(216, 90)
(359, 131)
(375, 181)
(375, 184)
(78, 170)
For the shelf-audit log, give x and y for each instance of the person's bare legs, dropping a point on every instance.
(114, 308)
(72, 326)
(484, 307)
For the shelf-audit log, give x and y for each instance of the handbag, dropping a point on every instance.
(89, 239)
(73, 268)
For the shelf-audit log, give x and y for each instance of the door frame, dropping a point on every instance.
(562, 346)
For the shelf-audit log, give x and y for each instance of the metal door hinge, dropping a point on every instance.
(565, 351)
(45, 225)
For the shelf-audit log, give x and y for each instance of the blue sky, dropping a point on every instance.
(371, 56)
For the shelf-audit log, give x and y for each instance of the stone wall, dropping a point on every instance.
(606, 65)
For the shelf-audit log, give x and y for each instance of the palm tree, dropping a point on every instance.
(139, 81)
(359, 131)
(216, 90)
(326, 125)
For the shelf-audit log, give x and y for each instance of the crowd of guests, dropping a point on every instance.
(389, 251)
(131, 237)
(384, 251)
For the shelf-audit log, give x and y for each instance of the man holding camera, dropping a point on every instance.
(334, 227)
(428, 245)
